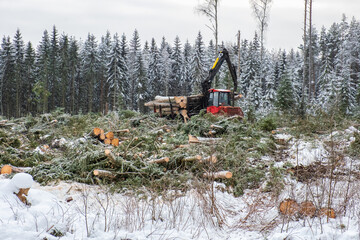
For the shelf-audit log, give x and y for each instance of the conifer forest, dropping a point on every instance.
(123, 72)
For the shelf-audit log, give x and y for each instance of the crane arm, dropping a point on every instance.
(206, 84)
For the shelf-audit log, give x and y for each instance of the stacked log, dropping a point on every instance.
(174, 105)
(107, 138)
(290, 207)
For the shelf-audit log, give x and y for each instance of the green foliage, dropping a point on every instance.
(285, 100)
(275, 183)
(126, 114)
(267, 124)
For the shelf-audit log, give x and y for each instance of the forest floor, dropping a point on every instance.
(272, 160)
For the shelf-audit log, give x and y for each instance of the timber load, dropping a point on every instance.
(171, 106)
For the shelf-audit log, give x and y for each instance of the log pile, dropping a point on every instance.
(174, 105)
(107, 138)
(165, 106)
(290, 207)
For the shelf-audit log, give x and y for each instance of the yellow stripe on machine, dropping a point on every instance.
(216, 61)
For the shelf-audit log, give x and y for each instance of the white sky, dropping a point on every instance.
(158, 18)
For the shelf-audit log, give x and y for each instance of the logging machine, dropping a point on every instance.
(220, 101)
(215, 101)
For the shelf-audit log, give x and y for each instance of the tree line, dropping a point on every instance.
(114, 73)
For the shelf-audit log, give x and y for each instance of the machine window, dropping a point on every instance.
(216, 99)
(224, 99)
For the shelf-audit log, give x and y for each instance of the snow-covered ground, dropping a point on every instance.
(95, 213)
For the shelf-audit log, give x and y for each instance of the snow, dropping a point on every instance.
(22, 180)
(96, 214)
(305, 152)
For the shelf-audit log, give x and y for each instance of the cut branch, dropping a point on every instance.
(192, 158)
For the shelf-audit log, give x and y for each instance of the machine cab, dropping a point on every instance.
(219, 97)
(220, 102)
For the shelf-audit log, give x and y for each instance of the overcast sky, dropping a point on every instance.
(158, 18)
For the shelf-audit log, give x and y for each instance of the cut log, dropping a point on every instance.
(110, 155)
(329, 212)
(102, 136)
(214, 126)
(164, 99)
(20, 169)
(22, 194)
(109, 135)
(210, 159)
(182, 146)
(289, 207)
(104, 173)
(194, 139)
(122, 131)
(192, 158)
(182, 101)
(167, 110)
(308, 209)
(216, 175)
(107, 141)
(160, 160)
(162, 104)
(95, 132)
(184, 113)
(6, 169)
(115, 142)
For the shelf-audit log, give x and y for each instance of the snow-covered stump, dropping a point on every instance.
(21, 184)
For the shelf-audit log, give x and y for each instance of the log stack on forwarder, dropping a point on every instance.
(107, 138)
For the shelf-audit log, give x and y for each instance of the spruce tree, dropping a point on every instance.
(19, 72)
(186, 70)
(103, 86)
(41, 87)
(135, 51)
(154, 71)
(74, 66)
(198, 63)
(165, 52)
(285, 95)
(116, 75)
(124, 51)
(54, 79)
(64, 72)
(7, 76)
(176, 63)
(90, 64)
(29, 64)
